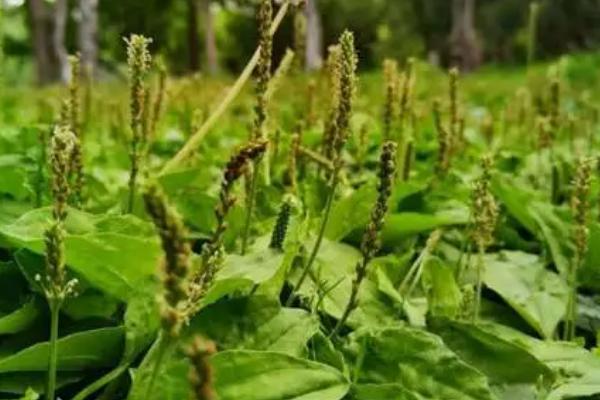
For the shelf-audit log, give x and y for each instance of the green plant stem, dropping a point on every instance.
(53, 351)
(352, 302)
(317, 246)
(162, 345)
(191, 145)
(250, 206)
(571, 314)
(479, 288)
(100, 383)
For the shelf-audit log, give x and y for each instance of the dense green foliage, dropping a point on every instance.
(372, 271)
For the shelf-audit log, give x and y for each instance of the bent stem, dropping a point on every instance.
(100, 383)
(53, 351)
(196, 139)
(317, 246)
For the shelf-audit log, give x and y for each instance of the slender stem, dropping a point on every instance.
(196, 139)
(479, 284)
(53, 351)
(100, 383)
(352, 302)
(250, 206)
(317, 246)
(162, 344)
(131, 197)
(571, 314)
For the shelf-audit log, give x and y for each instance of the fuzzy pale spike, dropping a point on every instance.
(177, 256)
(580, 209)
(201, 372)
(484, 214)
(139, 61)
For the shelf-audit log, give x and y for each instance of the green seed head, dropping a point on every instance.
(580, 203)
(263, 68)
(347, 67)
(387, 170)
(334, 77)
(62, 144)
(390, 72)
(139, 61)
(484, 209)
(281, 226)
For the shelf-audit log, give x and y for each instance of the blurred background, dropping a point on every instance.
(218, 36)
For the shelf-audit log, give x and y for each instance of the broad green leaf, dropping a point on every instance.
(90, 304)
(390, 391)
(255, 323)
(555, 231)
(112, 253)
(502, 361)
(351, 213)
(334, 269)
(248, 375)
(20, 319)
(538, 295)
(577, 370)
(399, 226)
(141, 323)
(14, 177)
(21, 382)
(239, 272)
(253, 375)
(516, 199)
(418, 362)
(80, 351)
(443, 294)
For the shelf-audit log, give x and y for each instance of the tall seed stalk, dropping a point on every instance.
(580, 208)
(55, 285)
(391, 108)
(175, 268)
(265, 16)
(370, 241)
(346, 67)
(72, 118)
(138, 60)
(213, 250)
(484, 214)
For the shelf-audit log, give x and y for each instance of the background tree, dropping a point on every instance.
(210, 38)
(314, 36)
(465, 51)
(88, 34)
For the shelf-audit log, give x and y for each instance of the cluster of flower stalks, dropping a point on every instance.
(186, 279)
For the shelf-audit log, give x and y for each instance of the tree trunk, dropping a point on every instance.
(465, 50)
(38, 17)
(193, 40)
(59, 51)
(210, 40)
(88, 35)
(314, 36)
